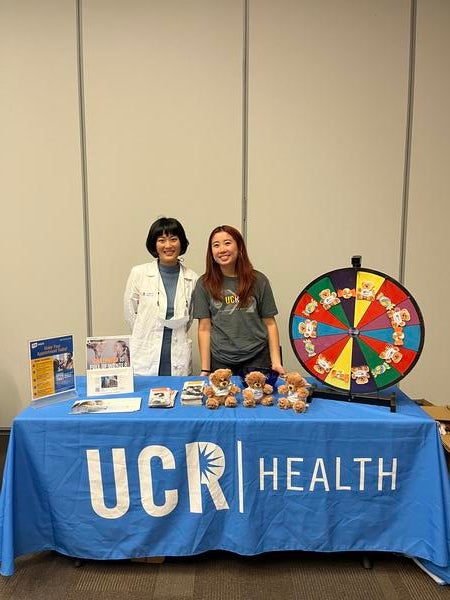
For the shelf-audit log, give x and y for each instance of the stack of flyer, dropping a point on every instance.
(192, 393)
(162, 397)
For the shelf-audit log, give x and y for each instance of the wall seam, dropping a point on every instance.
(84, 182)
(408, 140)
(245, 57)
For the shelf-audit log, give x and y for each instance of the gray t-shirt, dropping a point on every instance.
(237, 333)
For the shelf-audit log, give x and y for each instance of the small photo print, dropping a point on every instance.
(63, 362)
(109, 381)
(88, 406)
(108, 352)
(116, 405)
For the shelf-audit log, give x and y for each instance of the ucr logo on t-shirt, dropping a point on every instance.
(231, 299)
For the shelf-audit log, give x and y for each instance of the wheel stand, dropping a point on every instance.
(373, 399)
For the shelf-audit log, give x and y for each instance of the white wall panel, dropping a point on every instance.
(163, 96)
(428, 240)
(163, 104)
(42, 266)
(327, 122)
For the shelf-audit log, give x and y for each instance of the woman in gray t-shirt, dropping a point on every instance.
(236, 309)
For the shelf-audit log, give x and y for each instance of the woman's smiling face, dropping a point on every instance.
(168, 248)
(224, 249)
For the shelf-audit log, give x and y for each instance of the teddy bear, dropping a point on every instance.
(258, 391)
(322, 365)
(399, 316)
(221, 390)
(361, 374)
(398, 336)
(308, 328)
(328, 299)
(294, 392)
(366, 291)
(391, 354)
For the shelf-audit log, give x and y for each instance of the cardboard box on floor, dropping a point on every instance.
(441, 414)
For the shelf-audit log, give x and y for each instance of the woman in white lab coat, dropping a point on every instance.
(157, 304)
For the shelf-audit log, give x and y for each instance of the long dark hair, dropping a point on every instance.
(213, 277)
(167, 226)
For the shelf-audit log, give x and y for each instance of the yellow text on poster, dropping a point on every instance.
(42, 377)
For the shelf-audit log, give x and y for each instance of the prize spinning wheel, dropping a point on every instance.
(356, 330)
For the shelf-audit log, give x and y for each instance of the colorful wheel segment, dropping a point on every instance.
(356, 330)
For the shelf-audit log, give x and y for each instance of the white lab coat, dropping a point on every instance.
(145, 304)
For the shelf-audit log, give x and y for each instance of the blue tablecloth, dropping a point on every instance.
(186, 480)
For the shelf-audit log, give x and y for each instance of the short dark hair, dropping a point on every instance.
(166, 226)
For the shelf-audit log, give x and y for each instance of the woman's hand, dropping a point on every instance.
(204, 344)
(278, 367)
(274, 345)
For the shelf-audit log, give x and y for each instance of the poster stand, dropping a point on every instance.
(52, 371)
(61, 397)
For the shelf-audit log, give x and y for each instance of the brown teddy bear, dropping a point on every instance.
(328, 299)
(399, 316)
(294, 392)
(391, 354)
(221, 390)
(366, 291)
(361, 374)
(258, 391)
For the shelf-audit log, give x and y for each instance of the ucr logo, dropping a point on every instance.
(205, 463)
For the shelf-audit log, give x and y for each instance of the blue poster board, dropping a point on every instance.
(52, 370)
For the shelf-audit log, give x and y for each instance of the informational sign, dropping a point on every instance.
(51, 367)
(108, 366)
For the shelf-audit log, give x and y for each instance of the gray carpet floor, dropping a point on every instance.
(222, 576)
